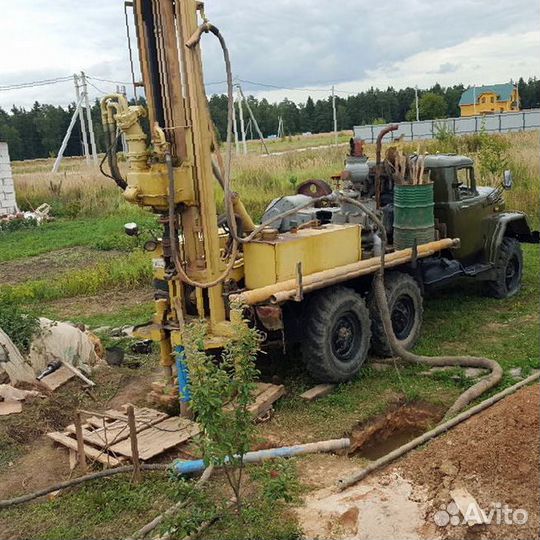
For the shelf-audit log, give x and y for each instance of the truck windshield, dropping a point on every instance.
(466, 183)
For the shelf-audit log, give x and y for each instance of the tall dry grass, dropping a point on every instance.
(79, 191)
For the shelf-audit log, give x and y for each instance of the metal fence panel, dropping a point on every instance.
(427, 129)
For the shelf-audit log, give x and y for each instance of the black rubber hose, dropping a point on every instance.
(76, 481)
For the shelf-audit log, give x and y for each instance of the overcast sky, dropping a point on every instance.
(312, 44)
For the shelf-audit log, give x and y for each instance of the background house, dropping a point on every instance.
(493, 99)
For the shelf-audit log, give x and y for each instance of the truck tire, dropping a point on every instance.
(509, 269)
(406, 307)
(337, 335)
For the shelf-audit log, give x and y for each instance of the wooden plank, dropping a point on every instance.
(160, 437)
(317, 392)
(117, 430)
(92, 453)
(10, 407)
(80, 442)
(57, 378)
(17, 369)
(467, 506)
(266, 399)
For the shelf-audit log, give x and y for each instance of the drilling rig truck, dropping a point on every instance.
(304, 275)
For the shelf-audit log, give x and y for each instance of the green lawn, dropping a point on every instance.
(98, 233)
(457, 320)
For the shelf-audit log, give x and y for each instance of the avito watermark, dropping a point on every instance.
(496, 514)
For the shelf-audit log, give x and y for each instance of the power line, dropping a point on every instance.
(268, 85)
(109, 80)
(94, 86)
(33, 84)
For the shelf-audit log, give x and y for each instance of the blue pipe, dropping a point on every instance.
(198, 465)
(183, 374)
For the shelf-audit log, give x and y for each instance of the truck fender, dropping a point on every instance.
(511, 224)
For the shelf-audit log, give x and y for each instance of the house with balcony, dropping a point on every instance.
(493, 99)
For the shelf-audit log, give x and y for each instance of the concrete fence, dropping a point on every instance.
(8, 204)
(527, 120)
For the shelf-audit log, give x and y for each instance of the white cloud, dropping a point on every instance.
(292, 43)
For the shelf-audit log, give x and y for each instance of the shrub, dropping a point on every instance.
(20, 327)
(221, 393)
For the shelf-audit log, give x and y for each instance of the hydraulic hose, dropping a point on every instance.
(174, 246)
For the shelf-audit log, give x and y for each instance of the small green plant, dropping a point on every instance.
(492, 156)
(19, 326)
(293, 180)
(17, 225)
(447, 141)
(221, 393)
(278, 480)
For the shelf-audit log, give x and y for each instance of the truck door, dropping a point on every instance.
(466, 214)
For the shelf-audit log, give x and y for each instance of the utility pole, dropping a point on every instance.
(335, 115)
(81, 118)
(280, 130)
(474, 98)
(242, 126)
(76, 112)
(89, 118)
(248, 128)
(235, 127)
(416, 101)
(259, 132)
(121, 89)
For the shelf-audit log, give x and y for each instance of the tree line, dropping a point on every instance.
(38, 132)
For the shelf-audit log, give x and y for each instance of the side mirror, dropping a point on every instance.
(131, 229)
(508, 180)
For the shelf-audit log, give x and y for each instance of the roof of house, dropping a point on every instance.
(503, 91)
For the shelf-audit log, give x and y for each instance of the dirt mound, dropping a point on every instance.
(495, 456)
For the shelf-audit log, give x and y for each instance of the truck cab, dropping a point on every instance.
(476, 215)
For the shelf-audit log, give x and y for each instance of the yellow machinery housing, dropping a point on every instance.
(271, 261)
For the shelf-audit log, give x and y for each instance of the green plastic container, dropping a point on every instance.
(413, 215)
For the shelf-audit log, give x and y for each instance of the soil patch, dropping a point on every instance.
(495, 456)
(106, 303)
(52, 264)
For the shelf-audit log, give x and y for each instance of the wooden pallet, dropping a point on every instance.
(106, 440)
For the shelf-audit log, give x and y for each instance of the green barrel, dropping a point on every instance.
(413, 215)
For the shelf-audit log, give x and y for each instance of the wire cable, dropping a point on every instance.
(34, 84)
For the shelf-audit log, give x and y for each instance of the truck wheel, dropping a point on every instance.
(406, 309)
(337, 336)
(509, 269)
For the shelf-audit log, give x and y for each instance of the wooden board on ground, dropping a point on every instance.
(265, 395)
(101, 432)
(10, 407)
(159, 438)
(57, 378)
(264, 400)
(107, 439)
(317, 392)
(16, 368)
(93, 453)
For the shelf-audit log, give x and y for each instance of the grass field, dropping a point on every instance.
(102, 278)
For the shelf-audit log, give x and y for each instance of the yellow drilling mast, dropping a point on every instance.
(174, 176)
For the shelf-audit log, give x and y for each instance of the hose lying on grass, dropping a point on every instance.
(434, 361)
(76, 481)
(463, 361)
